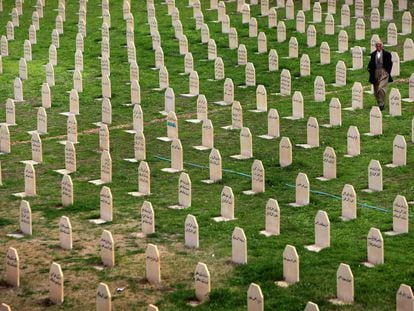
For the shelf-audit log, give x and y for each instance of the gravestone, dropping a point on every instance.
(305, 66)
(285, 83)
(261, 43)
(5, 146)
(176, 157)
(10, 112)
(310, 306)
(152, 264)
(264, 7)
(302, 188)
(312, 135)
(219, 69)
(184, 192)
(331, 6)
(297, 106)
(325, 53)
(375, 248)
(395, 103)
(106, 169)
(329, 164)
(357, 96)
(46, 96)
(375, 122)
(12, 267)
(144, 180)
(207, 136)
(405, 298)
(10, 31)
(133, 71)
(357, 58)
(23, 69)
(359, 8)
(4, 46)
(228, 93)
(103, 298)
(349, 203)
(163, 78)
(319, 89)
(272, 214)
(272, 18)
(253, 28)
(67, 191)
(410, 98)
(290, 267)
(18, 90)
(255, 301)
(27, 50)
(227, 205)
(107, 247)
(353, 142)
(246, 145)
(225, 24)
(50, 75)
(205, 34)
(273, 61)
(281, 32)
(322, 233)
(329, 25)
(342, 41)
(172, 127)
(408, 50)
(77, 81)
(212, 50)
(388, 10)
(55, 38)
(375, 19)
(202, 282)
(183, 45)
(65, 233)
(238, 246)
(317, 13)
(273, 125)
(374, 177)
(407, 23)
(399, 152)
(233, 39)
(29, 182)
(293, 48)
(311, 36)
(258, 178)
(335, 113)
(400, 216)
(300, 21)
(344, 285)
(147, 219)
(345, 16)
(53, 55)
(56, 284)
(360, 29)
(191, 234)
(250, 75)
(242, 55)
(392, 35)
(340, 76)
(290, 10)
(285, 152)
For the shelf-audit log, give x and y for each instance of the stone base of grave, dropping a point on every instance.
(99, 124)
(171, 170)
(194, 121)
(394, 233)
(194, 303)
(188, 95)
(341, 52)
(63, 171)
(280, 94)
(282, 284)
(158, 89)
(370, 190)
(411, 202)
(314, 248)
(268, 137)
(201, 148)
(257, 110)
(392, 165)
(99, 99)
(338, 85)
(63, 142)
(97, 221)
(368, 264)
(351, 109)
(408, 100)
(166, 139)
(1, 153)
(16, 235)
(17, 101)
(133, 160)
(244, 86)
(98, 182)
(130, 131)
(139, 235)
(138, 194)
(346, 218)
(67, 114)
(297, 204)
(178, 206)
(155, 68)
(8, 124)
(164, 113)
(37, 132)
(371, 134)
(222, 219)
(338, 302)
(292, 118)
(98, 267)
(328, 125)
(230, 128)
(210, 181)
(214, 80)
(250, 192)
(267, 233)
(369, 92)
(306, 146)
(23, 195)
(30, 162)
(129, 104)
(222, 103)
(321, 178)
(240, 157)
(354, 69)
(350, 155)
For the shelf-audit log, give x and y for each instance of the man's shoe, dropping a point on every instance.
(381, 106)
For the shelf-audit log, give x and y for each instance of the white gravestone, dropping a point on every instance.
(239, 246)
(344, 285)
(290, 267)
(349, 203)
(375, 122)
(273, 125)
(399, 152)
(255, 300)
(258, 178)
(374, 177)
(202, 282)
(322, 232)
(152, 264)
(400, 216)
(312, 134)
(144, 180)
(302, 189)
(65, 233)
(272, 214)
(56, 284)
(329, 165)
(375, 248)
(184, 192)
(246, 145)
(285, 152)
(353, 142)
(107, 247)
(191, 234)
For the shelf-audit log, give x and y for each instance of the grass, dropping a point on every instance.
(375, 289)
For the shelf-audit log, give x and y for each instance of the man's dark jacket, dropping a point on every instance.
(387, 65)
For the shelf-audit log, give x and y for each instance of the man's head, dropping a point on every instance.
(378, 46)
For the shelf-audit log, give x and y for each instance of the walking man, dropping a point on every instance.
(379, 68)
